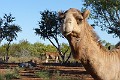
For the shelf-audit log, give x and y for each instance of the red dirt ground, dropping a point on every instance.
(66, 71)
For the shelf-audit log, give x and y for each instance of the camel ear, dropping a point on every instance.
(86, 14)
(61, 14)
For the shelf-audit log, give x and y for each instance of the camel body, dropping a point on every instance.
(51, 56)
(101, 63)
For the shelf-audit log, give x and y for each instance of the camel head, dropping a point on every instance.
(72, 21)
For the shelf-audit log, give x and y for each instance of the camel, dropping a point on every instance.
(101, 63)
(51, 56)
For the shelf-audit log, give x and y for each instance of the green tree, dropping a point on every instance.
(40, 47)
(24, 48)
(15, 50)
(66, 50)
(2, 50)
(8, 30)
(106, 14)
(1, 30)
(107, 45)
(49, 28)
(50, 48)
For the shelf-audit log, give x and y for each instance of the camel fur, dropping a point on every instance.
(52, 56)
(101, 63)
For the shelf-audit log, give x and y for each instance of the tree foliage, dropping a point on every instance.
(106, 14)
(107, 45)
(48, 25)
(8, 30)
(25, 48)
(49, 28)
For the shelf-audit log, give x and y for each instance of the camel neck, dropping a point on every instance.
(86, 49)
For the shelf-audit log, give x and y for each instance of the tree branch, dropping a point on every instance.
(106, 18)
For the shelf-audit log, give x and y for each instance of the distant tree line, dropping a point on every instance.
(26, 49)
(37, 49)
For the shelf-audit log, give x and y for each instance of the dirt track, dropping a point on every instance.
(65, 71)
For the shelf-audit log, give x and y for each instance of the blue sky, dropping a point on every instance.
(27, 16)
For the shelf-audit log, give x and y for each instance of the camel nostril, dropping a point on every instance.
(64, 32)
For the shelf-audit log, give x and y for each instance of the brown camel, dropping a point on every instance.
(101, 63)
(51, 56)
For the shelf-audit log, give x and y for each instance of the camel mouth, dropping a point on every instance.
(66, 33)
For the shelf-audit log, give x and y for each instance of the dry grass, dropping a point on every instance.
(4, 71)
(23, 59)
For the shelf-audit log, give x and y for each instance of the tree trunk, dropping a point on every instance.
(58, 47)
(7, 51)
(68, 57)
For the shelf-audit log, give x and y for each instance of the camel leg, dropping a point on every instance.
(56, 60)
(47, 58)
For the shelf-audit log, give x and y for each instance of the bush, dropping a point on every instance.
(14, 73)
(9, 76)
(43, 74)
(1, 77)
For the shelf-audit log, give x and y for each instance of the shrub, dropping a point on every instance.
(14, 73)
(9, 76)
(1, 77)
(43, 74)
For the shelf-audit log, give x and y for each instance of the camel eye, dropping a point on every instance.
(79, 20)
